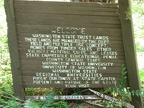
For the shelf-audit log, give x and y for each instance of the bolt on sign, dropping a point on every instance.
(70, 45)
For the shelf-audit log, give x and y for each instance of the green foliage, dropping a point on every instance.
(49, 100)
(6, 89)
(60, 104)
(31, 104)
(37, 91)
(12, 104)
(139, 46)
(138, 21)
(141, 73)
(109, 105)
(47, 103)
(121, 91)
(9, 101)
(118, 104)
(59, 91)
(1, 3)
(77, 92)
(123, 77)
(6, 85)
(137, 8)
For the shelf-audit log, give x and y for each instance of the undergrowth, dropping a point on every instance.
(121, 92)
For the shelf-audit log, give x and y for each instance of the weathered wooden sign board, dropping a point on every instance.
(70, 45)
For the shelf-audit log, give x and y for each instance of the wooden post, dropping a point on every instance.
(13, 48)
(129, 47)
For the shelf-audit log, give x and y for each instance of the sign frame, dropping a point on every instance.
(128, 41)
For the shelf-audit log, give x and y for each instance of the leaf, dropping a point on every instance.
(49, 100)
(12, 104)
(118, 104)
(30, 104)
(123, 78)
(60, 104)
(1, 101)
(109, 105)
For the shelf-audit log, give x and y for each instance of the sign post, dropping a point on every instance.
(13, 48)
(129, 47)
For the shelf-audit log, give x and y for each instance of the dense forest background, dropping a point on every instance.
(6, 89)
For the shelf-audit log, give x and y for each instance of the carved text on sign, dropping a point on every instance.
(72, 57)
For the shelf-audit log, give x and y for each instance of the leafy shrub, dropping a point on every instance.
(31, 104)
(141, 73)
(12, 104)
(139, 47)
(48, 103)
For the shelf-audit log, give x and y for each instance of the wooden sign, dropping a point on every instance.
(69, 45)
